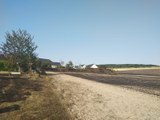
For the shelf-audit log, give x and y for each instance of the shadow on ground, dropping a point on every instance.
(9, 108)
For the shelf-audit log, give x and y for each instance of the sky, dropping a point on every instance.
(88, 31)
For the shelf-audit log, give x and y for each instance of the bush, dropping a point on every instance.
(3, 66)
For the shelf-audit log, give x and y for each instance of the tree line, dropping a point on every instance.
(127, 65)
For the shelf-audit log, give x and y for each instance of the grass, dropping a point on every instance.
(23, 98)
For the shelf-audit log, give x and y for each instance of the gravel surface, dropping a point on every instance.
(143, 83)
(91, 100)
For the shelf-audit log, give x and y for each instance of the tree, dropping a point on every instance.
(62, 62)
(2, 65)
(69, 64)
(19, 49)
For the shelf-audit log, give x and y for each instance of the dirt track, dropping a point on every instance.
(91, 100)
(145, 83)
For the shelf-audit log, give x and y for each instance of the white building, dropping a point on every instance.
(93, 66)
(82, 66)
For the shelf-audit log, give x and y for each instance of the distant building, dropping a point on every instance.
(82, 66)
(56, 65)
(47, 63)
(92, 66)
(76, 67)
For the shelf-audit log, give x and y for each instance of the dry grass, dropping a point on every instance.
(152, 72)
(22, 98)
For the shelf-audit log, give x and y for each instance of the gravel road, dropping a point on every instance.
(143, 83)
(91, 100)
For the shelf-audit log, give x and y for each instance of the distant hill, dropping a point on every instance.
(127, 65)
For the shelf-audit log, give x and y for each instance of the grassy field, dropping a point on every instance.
(153, 71)
(24, 98)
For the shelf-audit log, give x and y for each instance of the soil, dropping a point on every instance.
(23, 98)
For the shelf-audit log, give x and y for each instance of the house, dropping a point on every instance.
(92, 66)
(76, 67)
(47, 63)
(82, 66)
(56, 65)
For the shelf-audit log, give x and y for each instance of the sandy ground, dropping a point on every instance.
(90, 100)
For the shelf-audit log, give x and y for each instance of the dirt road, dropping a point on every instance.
(91, 100)
(143, 83)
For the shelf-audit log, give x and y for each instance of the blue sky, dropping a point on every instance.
(88, 31)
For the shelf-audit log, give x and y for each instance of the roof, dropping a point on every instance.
(44, 61)
(48, 61)
(82, 65)
(89, 66)
(56, 63)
